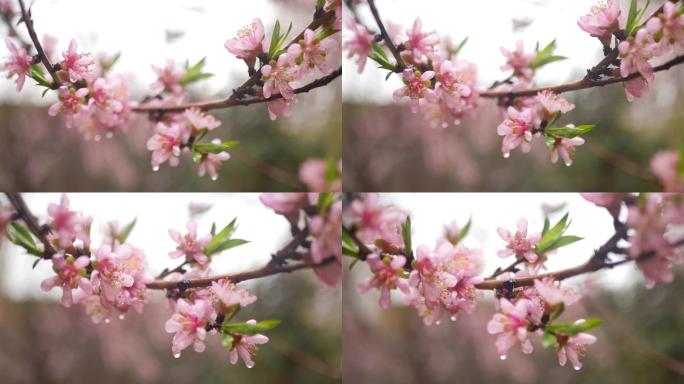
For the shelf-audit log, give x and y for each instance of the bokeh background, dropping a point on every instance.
(640, 340)
(37, 153)
(43, 342)
(387, 148)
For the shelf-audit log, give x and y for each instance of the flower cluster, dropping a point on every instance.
(667, 166)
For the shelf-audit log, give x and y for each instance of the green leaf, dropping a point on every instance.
(275, 38)
(557, 311)
(406, 235)
(325, 200)
(464, 231)
(19, 235)
(222, 241)
(546, 225)
(549, 339)
(38, 75)
(573, 329)
(213, 229)
(200, 149)
(319, 4)
(460, 46)
(250, 329)
(227, 340)
(570, 131)
(349, 247)
(109, 64)
(127, 231)
(552, 235)
(546, 56)
(562, 242)
(194, 73)
(379, 55)
(332, 172)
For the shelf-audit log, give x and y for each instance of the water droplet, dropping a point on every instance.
(568, 164)
(109, 135)
(453, 318)
(97, 137)
(438, 322)
(502, 357)
(506, 155)
(176, 355)
(250, 365)
(577, 368)
(107, 321)
(155, 168)
(122, 316)
(445, 125)
(214, 178)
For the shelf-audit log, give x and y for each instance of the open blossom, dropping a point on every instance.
(189, 245)
(602, 21)
(510, 326)
(521, 245)
(211, 164)
(416, 87)
(17, 64)
(635, 53)
(67, 225)
(517, 130)
(278, 108)
(76, 65)
(552, 103)
(665, 166)
(635, 88)
(229, 294)
(189, 325)
(552, 293)
(669, 23)
(71, 101)
(314, 174)
(317, 54)
(245, 346)
(248, 42)
(287, 204)
(199, 120)
(109, 108)
(166, 144)
(70, 275)
(327, 232)
(375, 221)
(518, 61)
(278, 75)
(361, 44)
(5, 218)
(564, 148)
(420, 44)
(573, 347)
(168, 78)
(386, 276)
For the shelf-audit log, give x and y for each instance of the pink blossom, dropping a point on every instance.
(18, 63)
(199, 120)
(211, 163)
(665, 165)
(420, 44)
(189, 245)
(510, 326)
(6, 215)
(245, 346)
(70, 275)
(669, 23)
(287, 204)
(517, 130)
(67, 225)
(564, 148)
(636, 53)
(456, 87)
(76, 65)
(317, 54)
(610, 201)
(7, 9)
(634, 88)
(573, 347)
(71, 101)
(109, 108)
(417, 86)
(521, 245)
(361, 44)
(602, 21)
(518, 61)
(168, 78)
(314, 174)
(552, 103)
(229, 294)
(375, 221)
(552, 293)
(248, 43)
(326, 230)
(189, 325)
(387, 275)
(165, 144)
(278, 108)
(278, 75)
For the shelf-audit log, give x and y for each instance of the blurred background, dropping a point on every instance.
(641, 339)
(387, 148)
(43, 342)
(38, 153)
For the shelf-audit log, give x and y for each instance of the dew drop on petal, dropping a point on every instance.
(438, 322)
(109, 135)
(250, 366)
(107, 321)
(453, 318)
(506, 155)
(577, 368)
(97, 137)
(155, 168)
(214, 178)
(502, 357)
(176, 355)
(122, 316)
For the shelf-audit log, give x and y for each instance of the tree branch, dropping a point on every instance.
(31, 222)
(385, 36)
(26, 16)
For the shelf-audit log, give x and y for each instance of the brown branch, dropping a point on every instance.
(584, 83)
(385, 37)
(25, 214)
(26, 16)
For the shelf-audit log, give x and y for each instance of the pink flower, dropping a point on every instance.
(417, 86)
(278, 75)
(7, 9)
(602, 21)
(517, 130)
(669, 23)
(317, 54)
(68, 225)
(229, 294)
(278, 108)
(165, 144)
(510, 326)
(361, 44)
(71, 101)
(313, 173)
(189, 245)
(386, 276)
(420, 44)
(635, 54)
(109, 108)
(665, 166)
(552, 103)
(610, 201)
(189, 325)
(564, 148)
(77, 65)
(70, 275)
(519, 244)
(211, 164)
(552, 293)
(6, 215)
(573, 347)
(248, 43)
(326, 230)
(634, 88)
(168, 78)
(374, 221)
(18, 63)
(199, 120)
(518, 61)
(287, 204)
(245, 346)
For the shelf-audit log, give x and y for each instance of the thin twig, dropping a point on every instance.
(36, 43)
(31, 222)
(385, 37)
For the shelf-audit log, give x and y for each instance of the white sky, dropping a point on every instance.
(156, 213)
(488, 25)
(138, 30)
(429, 213)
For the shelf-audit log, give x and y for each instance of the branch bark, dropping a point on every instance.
(385, 36)
(26, 16)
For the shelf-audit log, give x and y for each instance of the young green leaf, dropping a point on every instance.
(552, 235)
(562, 242)
(573, 329)
(222, 241)
(569, 131)
(546, 225)
(546, 56)
(275, 38)
(39, 76)
(250, 329)
(349, 247)
(464, 231)
(325, 200)
(406, 235)
(194, 73)
(549, 339)
(460, 46)
(20, 236)
(127, 231)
